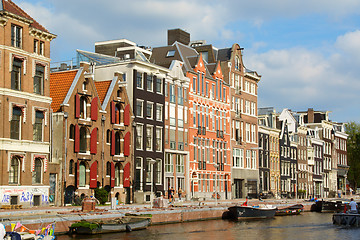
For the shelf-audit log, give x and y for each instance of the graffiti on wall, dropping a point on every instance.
(25, 195)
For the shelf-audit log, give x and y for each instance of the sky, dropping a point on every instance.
(307, 52)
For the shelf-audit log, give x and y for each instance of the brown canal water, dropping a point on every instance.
(308, 225)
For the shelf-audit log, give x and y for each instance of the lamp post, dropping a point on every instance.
(216, 166)
(151, 162)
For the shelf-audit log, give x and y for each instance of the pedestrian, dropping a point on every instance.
(353, 206)
(171, 195)
(180, 191)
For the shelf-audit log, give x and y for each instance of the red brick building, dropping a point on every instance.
(28, 178)
(94, 121)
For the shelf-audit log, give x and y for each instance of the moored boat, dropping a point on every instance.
(125, 224)
(251, 212)
(346, 219)
(327, 206)
(289, 210)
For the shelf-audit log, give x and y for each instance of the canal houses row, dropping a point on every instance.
(312, 153)
(138, 121)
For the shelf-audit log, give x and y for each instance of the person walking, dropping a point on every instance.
(180, 191)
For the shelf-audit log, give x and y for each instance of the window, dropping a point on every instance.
(253, 159)
(237, 63)
(139, 137)
(180, 163)
(42, 48)
(170, 53)
(149, 83)
(158, 143)
(72, 132)
(71, 167)
(148, 171)
(16, 36)
(108, 169)
(117, 143)
(159, 112)
(138, 173)
(172, 93)
(248, 160)
(83, 106)
(38, 126)
(159, 85)
(36, 174)
(149, 138)
(139, 81)
(157, 168)
(82, 174)
(16, 74)
(14, 170)
(117, 113)
(83, 142)
(139, 108)
(36, 46)
(168, 163)
(150, 110)
(180, 96)
(15, 123)
(117, 174)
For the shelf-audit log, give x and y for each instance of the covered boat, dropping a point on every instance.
(327, 206)
(289, 210)
(252, 212)
(125, 224)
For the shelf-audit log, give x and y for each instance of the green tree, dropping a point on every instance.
(353, 152)
(102, 195)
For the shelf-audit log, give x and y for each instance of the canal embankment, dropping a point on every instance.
(37, 218)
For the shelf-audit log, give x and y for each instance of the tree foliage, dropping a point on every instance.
(102, 195)
(353, 152)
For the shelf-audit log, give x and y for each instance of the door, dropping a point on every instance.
(238, 188)
(52, 191)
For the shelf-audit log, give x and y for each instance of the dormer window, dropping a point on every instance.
(170, 53)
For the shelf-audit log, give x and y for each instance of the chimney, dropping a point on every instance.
(178, 35)
(310, 115)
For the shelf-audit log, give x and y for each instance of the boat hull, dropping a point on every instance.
(346, 219)
(248, 212)
(112, 227)
(291, 210)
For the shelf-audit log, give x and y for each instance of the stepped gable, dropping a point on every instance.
(102, 88)
(11, 7)
(60, 83)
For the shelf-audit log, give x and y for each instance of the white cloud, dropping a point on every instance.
(299, 78)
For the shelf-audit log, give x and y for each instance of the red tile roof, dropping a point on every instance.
(11, 7)
(60, 83)
(102, 88)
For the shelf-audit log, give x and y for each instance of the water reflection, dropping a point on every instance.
(307, 226)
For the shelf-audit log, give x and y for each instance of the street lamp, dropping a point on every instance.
(151, 162)
(216, 166)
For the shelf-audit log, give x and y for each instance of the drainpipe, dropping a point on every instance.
(103, 118)
(65, 154)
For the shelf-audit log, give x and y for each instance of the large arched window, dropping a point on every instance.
(14, 170)
(36, 174)
(82, 174)
(117, 143)
(71, 167)
(83, 140)
(83, 106)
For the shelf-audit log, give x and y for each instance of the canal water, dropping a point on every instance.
(307, 225)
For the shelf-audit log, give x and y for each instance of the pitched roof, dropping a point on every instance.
(102, 88)
(60, 83)
(11, 7)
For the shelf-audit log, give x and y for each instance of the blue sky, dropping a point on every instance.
(307, 52)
